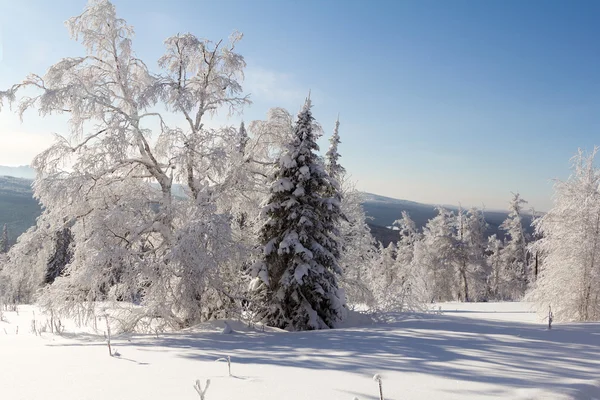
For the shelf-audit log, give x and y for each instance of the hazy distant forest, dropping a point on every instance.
(264, 225)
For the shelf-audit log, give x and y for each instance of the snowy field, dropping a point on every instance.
(478, 351)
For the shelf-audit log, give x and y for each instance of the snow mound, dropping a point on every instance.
(355, 319)
(229, 326)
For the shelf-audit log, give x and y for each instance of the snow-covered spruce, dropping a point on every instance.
(358, 251)
(296, 285)
(332, 156)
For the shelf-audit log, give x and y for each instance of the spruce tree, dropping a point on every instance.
(61, 257)
(243, 138)
(334, 169)
(298, 287)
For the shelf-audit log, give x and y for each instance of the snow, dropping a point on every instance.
(479, 351)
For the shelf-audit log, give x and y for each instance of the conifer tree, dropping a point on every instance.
(358, 251)
(297, 284)
(333, 167)
(243, 138)
(61, 257)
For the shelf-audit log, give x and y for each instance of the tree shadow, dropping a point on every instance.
(509, 354)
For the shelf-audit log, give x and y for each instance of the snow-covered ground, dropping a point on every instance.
(479, 351)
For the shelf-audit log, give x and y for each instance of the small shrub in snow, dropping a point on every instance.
(198, 387)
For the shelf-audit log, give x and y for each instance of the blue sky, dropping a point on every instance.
(440, 101)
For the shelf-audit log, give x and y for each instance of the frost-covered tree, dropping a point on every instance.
(296, 287)
(4, 240)
(358, 251)
(535, 264)
(470, 254)
(514, 252)
(25, 264)
(570, 246)
(495, 267)
(133, 238)
(385, 266)
(435, 255)
(399, 282)
(332, 156)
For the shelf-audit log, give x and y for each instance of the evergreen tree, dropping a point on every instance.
(514, 253)
(4, 240)
(243, 138)
(333, 167)
(297, 284)
(61, 257)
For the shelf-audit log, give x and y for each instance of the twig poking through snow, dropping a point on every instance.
(198, 387)
(377, 378)
(228, 359)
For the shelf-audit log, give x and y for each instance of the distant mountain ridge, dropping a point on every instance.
(19, 210)
(383, 211)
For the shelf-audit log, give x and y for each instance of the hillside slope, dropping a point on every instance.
(18, 208)
(385, 210)
(19, 211)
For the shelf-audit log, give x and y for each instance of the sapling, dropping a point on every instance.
(198, 387)
(108, 335)
(228, 359)
(377, 378)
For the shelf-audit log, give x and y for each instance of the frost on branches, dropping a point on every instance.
(514, 253)
(297, 284)
(112, 177)
(569, 248)
(358, 251)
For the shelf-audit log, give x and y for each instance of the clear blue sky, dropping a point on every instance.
(440, 101)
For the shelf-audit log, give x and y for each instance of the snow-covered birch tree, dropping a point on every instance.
(570, 246)
(112, 174)
(495, 267)
(473, 237)
(402, 285)
(435, 255)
